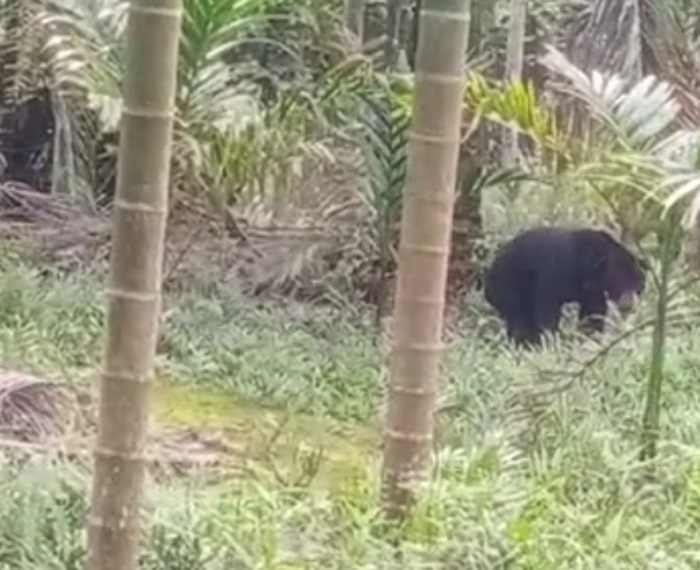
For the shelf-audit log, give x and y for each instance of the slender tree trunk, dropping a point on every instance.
(397, 34)
(135, 280)
(10, 49)
(694, 249)
(423, 251)
(354, 16)
(482, 18)
(467, 223)
(515, 54)
(413, 32)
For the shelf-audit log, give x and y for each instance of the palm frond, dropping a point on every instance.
(634, 39)
(637, 113)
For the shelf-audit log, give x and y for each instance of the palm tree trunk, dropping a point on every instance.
(424, 248)
(467, 223)
(354, 14)
(515, 54)
(135, 280)
(397, 34)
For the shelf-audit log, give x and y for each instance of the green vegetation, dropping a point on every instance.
(289, 161)
(574, 494)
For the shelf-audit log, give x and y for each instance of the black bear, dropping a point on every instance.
(541, 269)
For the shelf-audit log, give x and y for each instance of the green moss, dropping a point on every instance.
(263, 438)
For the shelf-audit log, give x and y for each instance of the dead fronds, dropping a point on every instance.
(33, 410)
(60, 229)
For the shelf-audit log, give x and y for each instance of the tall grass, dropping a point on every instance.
(513, 487)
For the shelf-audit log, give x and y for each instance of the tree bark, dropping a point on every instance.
(354, 15)
(135, 281)
(397, 34)
(467, 223)
(423, 251)
(515, 54)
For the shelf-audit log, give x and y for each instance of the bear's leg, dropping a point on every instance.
(526, 330)
(521, 326)
(538, 311)
(547, 317)
(593, 309)
(546, 305)
(521, 331)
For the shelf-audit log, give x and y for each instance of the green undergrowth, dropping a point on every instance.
(276, 357)
(490, 507)
(536, 461)
(270, 443)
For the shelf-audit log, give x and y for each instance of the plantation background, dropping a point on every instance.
(287, 171)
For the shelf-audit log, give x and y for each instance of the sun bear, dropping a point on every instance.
(541, 269)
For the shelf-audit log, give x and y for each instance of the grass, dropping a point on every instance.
(507, 492)
(320, 366)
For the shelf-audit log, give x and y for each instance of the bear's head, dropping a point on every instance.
(622, 274)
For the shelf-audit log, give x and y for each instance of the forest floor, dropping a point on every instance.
(265, 437)
(213, 430)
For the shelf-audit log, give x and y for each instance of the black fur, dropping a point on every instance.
(541, 269)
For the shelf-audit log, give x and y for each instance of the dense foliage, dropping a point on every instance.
(288, 167)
